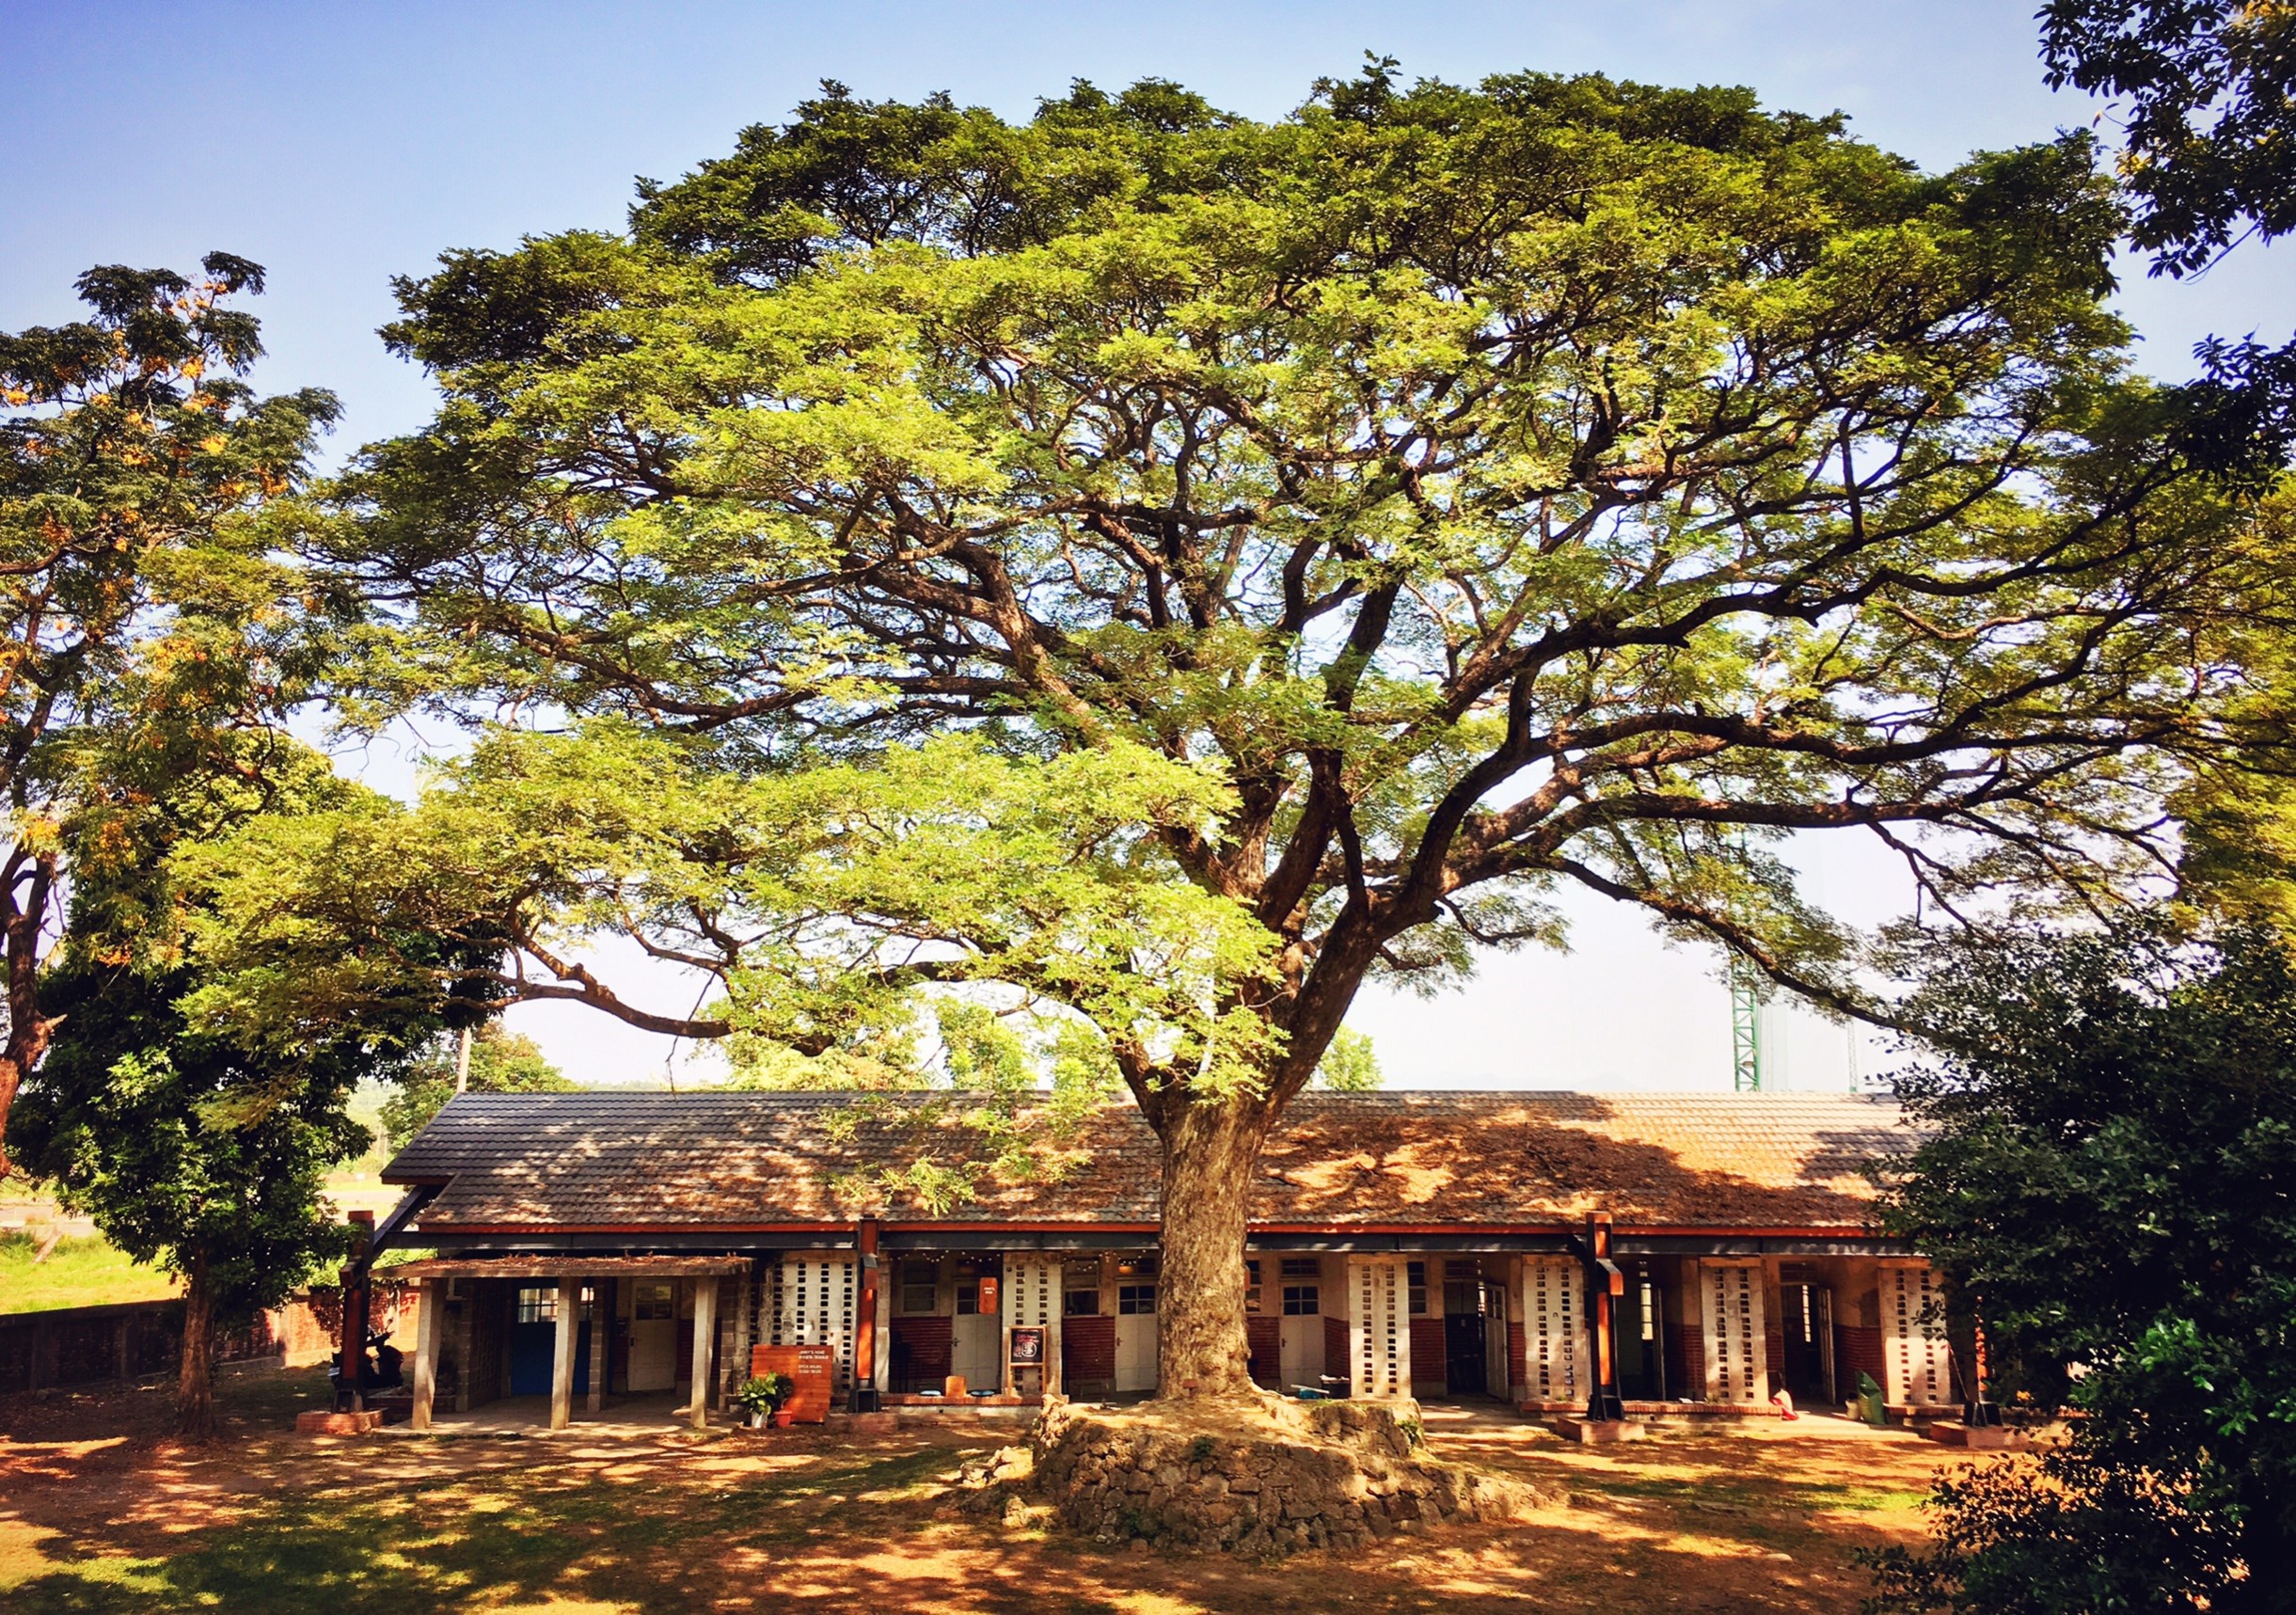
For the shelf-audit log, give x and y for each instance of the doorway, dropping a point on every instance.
(1808, 1369)
(1301, 1340)
(977, 1331)
(533, 1342)
(653, 1335)
(1463, 1336)
(1637, 1335)
(1136, 1330)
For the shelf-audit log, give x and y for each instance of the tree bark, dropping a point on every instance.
(1211, 1151)
(24, 886)
(195, 1396)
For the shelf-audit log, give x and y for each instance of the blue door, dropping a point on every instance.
(534, 1343)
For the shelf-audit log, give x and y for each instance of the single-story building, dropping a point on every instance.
(1434, 1243)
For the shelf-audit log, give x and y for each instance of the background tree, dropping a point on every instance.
(2111, 1183)
(140, 614)
(190, 1151)
(204, 1153)
(1172, 569)
(501, 1062)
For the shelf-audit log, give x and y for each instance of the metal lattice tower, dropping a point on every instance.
(1746, 996)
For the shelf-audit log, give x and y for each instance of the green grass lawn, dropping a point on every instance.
(78, 1273)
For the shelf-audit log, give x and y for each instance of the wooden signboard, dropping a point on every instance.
(814, 1369)
(1028, 1348)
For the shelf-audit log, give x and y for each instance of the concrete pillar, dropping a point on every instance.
(704, 1338)
(884, 1337)
(601, 1333)
(430, 1301)
(562, 1366)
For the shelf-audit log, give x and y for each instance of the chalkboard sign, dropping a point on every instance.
(814, 1369)
(1027, 1347)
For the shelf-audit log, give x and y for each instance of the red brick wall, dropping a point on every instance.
(1856, 1350)
(1427, 1350)
(1265, 1334)
(921, 1353)
(1687, 1374)
(1088, 1351)
(1518, 1356)
(1335, 1348)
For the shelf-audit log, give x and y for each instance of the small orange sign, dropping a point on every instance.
(989, 1297)
(815, 1370)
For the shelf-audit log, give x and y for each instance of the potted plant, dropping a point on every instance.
(761, 1397)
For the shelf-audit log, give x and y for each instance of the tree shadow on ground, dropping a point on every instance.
(805, 1520)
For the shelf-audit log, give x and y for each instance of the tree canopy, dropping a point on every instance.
(151, 627)
(1170, 568)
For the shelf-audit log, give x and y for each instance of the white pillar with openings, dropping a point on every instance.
(1554, 1356)
(1735, 1332)
(1032, 1300)
(1917, 1363)
(1378, 1326)
(815, 1302)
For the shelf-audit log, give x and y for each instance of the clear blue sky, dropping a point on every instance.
(339, 145)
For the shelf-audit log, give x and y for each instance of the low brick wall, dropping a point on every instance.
(105, 1345)
(1856, 1350)
(73, 1346)
(1685, 1371)
(1087, 1353)
(921, 1350)
(1430, 1356)
(1264, 1333)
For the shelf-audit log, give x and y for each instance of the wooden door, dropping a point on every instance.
(1495, 1340)
(653, 1335)
(1300, 1299)
(1137, 1334)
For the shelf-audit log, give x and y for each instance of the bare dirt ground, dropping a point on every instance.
(99, 1511)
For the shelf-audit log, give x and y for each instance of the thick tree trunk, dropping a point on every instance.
(194, 1395)
(1211, 1151)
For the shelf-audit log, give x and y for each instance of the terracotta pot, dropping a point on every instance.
(784, 1419)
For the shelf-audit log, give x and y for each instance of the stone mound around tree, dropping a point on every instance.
(1268, 1479)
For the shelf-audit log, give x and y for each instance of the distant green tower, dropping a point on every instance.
(1747, 991)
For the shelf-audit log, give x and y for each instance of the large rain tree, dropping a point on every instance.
(1177, 568)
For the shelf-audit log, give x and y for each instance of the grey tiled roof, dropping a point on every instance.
(1428, 1159)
